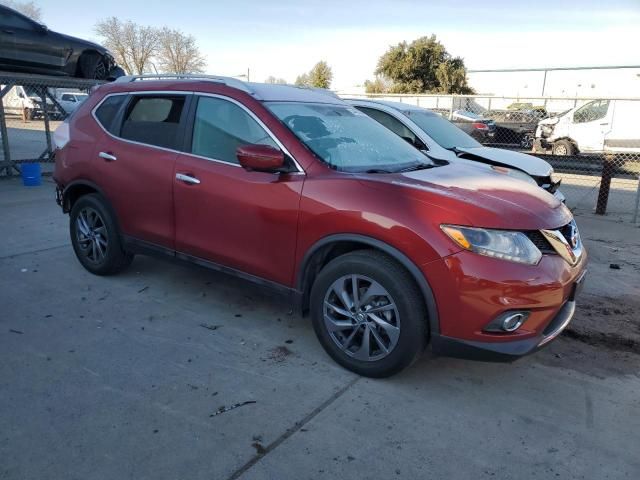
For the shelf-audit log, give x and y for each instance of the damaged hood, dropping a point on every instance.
(534, 166)
(484, 198)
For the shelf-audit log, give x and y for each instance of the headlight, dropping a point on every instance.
(503, 244)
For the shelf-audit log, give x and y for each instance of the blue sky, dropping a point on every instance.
(285, 38)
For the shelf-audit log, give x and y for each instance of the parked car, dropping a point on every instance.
(295, 189)
(70, 101)
(482, 129)
(28, 46)
(27, 101)
(429, 131)
(600, 126)
(515, 127)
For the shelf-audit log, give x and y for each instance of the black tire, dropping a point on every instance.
(92, 65)
(106, 257)
(563, 148)
(405, 295)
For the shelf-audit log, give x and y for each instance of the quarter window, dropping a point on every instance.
(221, 126)
(591, 111)
(107, 111)
(154, 120)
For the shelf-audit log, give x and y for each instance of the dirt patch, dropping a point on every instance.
(612, 323)
(278, 354)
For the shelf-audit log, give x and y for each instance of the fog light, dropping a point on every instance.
(513, 322)
(507, 322)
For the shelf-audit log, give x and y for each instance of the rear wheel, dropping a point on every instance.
(563, 148)
(369, 314)
(92, 65)
(95, 238)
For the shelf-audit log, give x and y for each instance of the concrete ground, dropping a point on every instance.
(137, 376)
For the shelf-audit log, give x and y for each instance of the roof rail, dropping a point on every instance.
(229, 81)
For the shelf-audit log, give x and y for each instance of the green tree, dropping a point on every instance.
(423, 65)
(302, 80)
(319, 76)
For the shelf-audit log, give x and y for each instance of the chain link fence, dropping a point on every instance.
(592, 143)
(32, 108)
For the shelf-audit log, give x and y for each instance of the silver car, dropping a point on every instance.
(428, 131)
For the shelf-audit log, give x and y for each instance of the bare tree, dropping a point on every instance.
(178, 52)
(133, 45)
(272, 79)
(30, 9)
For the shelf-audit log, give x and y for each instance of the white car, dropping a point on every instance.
(428, 131)
(70, 101)
(600, 126)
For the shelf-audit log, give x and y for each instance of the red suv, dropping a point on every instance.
(295, 189)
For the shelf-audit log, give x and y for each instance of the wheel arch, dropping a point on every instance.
(84, 53)
(332, 246)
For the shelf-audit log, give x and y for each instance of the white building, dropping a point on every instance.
(620, 81)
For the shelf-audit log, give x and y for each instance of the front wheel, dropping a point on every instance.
(368, 313)
(563, 148)
(95, 237)
(92, 66)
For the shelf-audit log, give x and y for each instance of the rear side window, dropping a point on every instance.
(391, 123)
(107, 111)
(154, 120)
(220, 127)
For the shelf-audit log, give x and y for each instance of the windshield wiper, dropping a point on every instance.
(420, 166)
(378, 170)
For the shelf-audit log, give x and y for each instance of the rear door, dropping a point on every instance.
(135, 161)
(225, 214)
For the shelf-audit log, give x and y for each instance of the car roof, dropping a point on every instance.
(265, 92)
(401, 107)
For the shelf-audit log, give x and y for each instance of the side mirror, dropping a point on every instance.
(261, 158)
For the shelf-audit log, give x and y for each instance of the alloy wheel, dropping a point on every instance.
(361, 317)
(91, 234)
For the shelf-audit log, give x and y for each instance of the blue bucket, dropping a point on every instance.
(31, 174)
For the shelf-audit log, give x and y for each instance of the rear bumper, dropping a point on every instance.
(504, 351)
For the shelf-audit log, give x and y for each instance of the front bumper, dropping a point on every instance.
(504, 351)
(472, 290)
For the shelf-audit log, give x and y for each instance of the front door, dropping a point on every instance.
(225, 214)
(589, 125)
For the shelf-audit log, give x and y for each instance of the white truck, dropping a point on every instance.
(27, 101)
(600, 126)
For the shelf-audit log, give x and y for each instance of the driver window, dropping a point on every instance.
(591, 112)
(392, 124)
(220, 127)
(11, 20)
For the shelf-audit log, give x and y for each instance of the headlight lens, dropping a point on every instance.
(504, 244)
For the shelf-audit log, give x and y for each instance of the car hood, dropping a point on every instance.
(534, 166)
(477, 197)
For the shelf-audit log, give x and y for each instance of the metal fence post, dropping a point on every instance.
(451, 108)
(605, 184)
(635, 212)
(6, 164)
(47, 126)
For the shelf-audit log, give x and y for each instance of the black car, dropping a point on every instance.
(28, 46)
(482, 129)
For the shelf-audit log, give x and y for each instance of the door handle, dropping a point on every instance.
(187, 179)
(604, 124)
(8, 31)
(107, 156)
